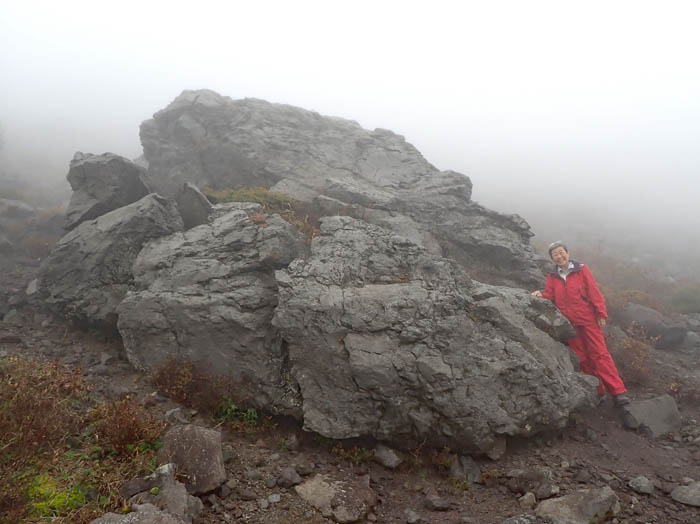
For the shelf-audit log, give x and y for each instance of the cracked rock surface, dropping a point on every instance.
(341, 168)
(389, 341)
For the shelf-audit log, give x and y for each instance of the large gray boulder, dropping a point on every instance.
(389, 341)
(207, 295)
(338, 167)
(14, 210)
(654, 417)
(102, 183)
(89, 271)
(662, 331)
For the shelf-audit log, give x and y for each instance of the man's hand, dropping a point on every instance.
(537, 293)
(602, 322)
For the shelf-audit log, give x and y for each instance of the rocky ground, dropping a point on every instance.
(594, 451)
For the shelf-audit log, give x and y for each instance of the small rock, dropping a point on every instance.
(642, 484)
(583, 476)
(689, 494)
(436, 503)
(293, 443)
(464, 467)
(263, 503)
(686, 481)
(304, 467)
(412, 517)
(527, 501)
(546, 490)
(253, 475)
(387, 457)
(246, 494)
(587, 505)
(498, 449)
(274, 498)
(288, 478)
(271, 482)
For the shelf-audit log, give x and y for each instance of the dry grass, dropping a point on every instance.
(303, 216)
(62, 459)
(122, 423)
(218, 396)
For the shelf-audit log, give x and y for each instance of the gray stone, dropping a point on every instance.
(387, 457)
(654, 417)
(89, 271)
(666, 333)
(528, 501)
(521, 519)
(102, 183)
(691, 342)
(385, 339)
(208, 295)
(194, 207)
(197, 453)
(343, 500)
(15, 209)
(32, 287)
(436, 503)
(642, 484)
(169, 494)
(340, 168)
(142, 514)
(689, 494)
(587, 506)
(412, 517)
(464, 467)
(253, 475)
(288, 477)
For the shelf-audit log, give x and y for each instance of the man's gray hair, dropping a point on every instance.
(555, 245)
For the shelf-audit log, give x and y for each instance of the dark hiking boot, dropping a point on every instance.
(622, 399)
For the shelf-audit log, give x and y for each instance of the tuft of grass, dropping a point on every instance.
(230, 412)
(124, 426)
(357, 455)
(305, 217)
(271, 201)
(442, 459)
(218, 396)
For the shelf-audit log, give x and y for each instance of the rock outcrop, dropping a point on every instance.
(207, 295)
(389, 341)
(339, 167)
(194, 207)
(89, 271)
(102, 183)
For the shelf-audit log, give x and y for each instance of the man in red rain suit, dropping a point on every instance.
(574, 291)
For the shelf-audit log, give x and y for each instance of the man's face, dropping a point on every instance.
(560, 257)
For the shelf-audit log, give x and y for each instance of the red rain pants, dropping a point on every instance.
(595, 359)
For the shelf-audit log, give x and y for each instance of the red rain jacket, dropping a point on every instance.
(577, 297)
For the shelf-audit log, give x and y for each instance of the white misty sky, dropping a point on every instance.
(554, 109)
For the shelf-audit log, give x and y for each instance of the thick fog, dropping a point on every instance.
(584, 118)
